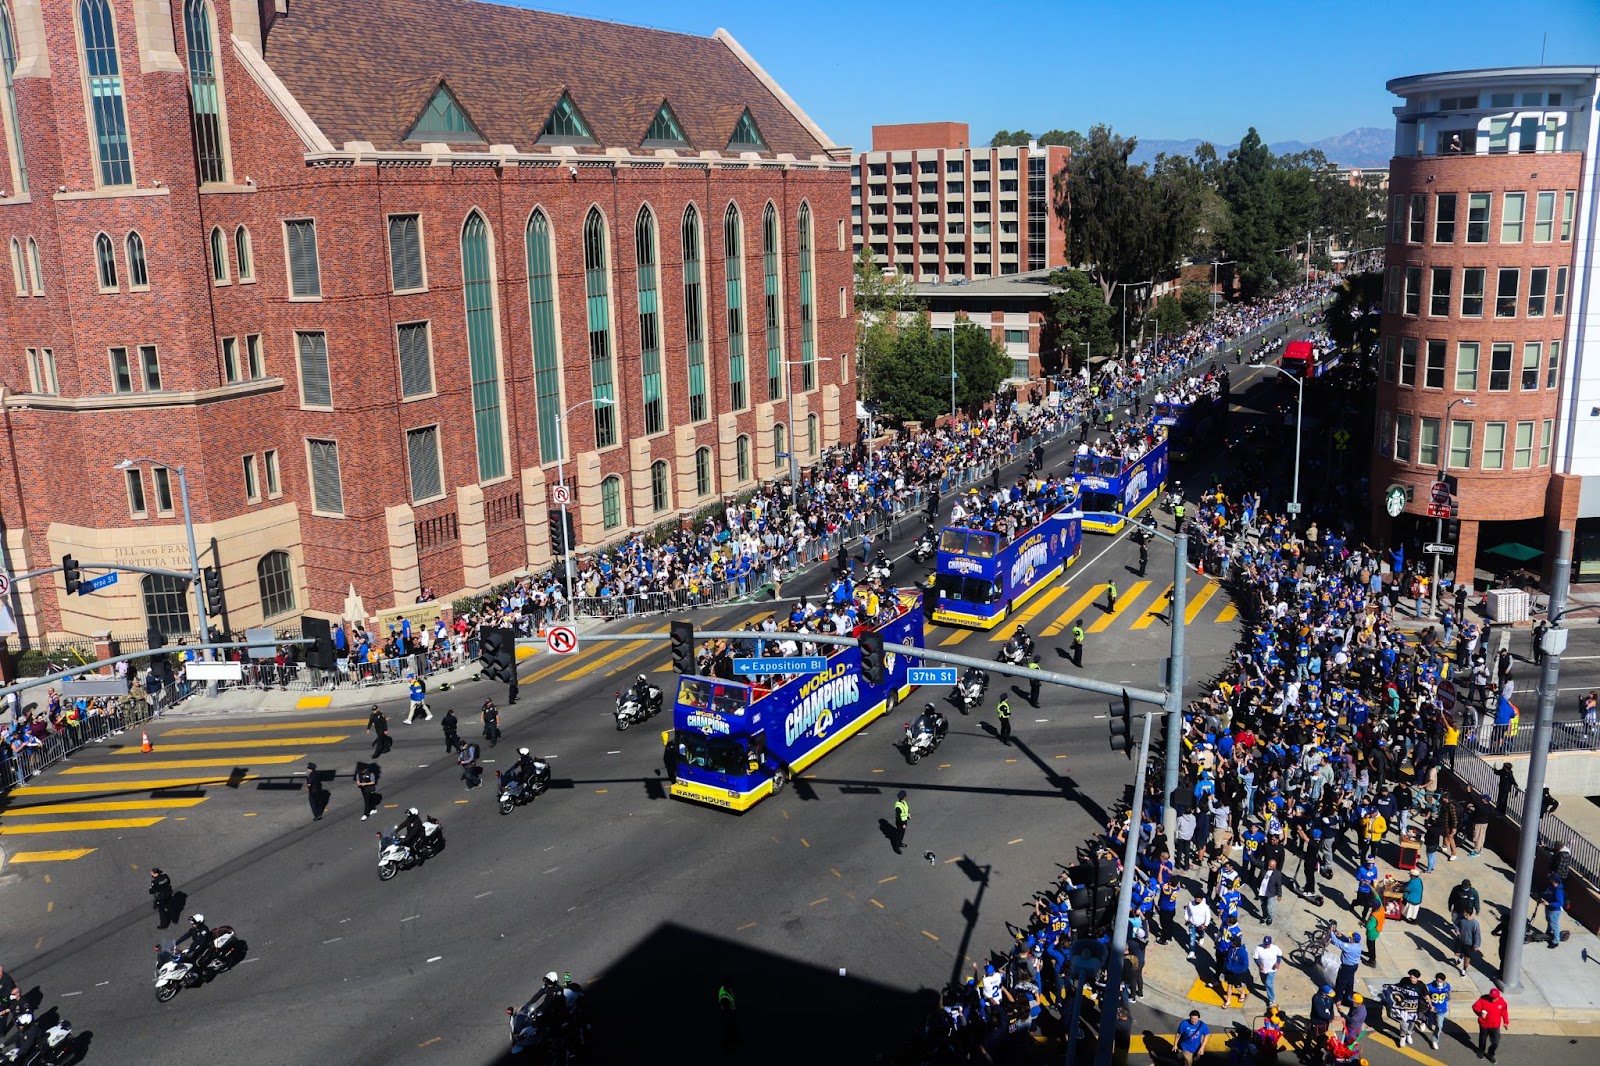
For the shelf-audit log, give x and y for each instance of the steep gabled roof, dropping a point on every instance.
(364, 70)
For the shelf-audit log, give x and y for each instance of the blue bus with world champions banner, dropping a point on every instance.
(737, 742)
(977, 581)
(1113, 490)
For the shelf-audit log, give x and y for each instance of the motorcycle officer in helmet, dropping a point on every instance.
(409, 831)
(641, 693)
(200, 933)
(932, 722)
(528, 768)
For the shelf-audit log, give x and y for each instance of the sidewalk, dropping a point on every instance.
(1560, 990)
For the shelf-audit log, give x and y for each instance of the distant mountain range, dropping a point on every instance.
(1369, 146)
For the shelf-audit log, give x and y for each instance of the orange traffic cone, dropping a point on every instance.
(1202, 568)
(144, 742)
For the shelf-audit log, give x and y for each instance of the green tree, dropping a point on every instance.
(1080, 316)
(881, 303)
(1195, 299)
(1010, 138)
(1170, 318)
(1354, 313)
(1257, 231)
(1125, 225)
(981, 365)
(911, 373)
(1070, 138)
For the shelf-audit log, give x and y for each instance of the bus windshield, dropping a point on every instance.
(974, 544)
(705, 696)
(722, 755)
(966, 589)
(1101, 502)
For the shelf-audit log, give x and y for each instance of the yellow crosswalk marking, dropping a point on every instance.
(1228, 613)
(1124, 601)
(220, 745)
(51, 856)
(186, 764)
(956, 637)
(276, 727)
(311, 703)
(1196, 605)
(1032, 611)
(595, 664)
(1155, 609)
(567, 662)
(146, 785)
(71, 827)
(1070, 615)
(624, 664)
(105, 807)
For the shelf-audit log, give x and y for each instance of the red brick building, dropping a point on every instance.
(347, 263)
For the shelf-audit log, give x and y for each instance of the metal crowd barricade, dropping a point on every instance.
(1480, 777)
(127, 714)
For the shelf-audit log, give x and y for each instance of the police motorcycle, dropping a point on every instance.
(31, 1044)
(927, 545)
(970, 689)
(552, 1023)
(925, 733)
(395, 855)
(176, 970)
(1173, 498)
(881, 569)
(519, 787)
(1017, 650)
(639, 703)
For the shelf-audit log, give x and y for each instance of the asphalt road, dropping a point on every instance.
(830, 941)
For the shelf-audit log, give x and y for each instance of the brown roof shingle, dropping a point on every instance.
(365, 69)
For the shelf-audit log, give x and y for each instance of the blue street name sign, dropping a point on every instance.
(931, 675)
(95, 584)
(800, 664)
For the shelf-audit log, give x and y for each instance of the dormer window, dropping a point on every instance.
(665, 130)
(747, 136)
(444, 121)
(566, 124)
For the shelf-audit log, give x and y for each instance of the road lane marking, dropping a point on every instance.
(929, 935)
(1163, 600)
(597, 792)
(104, 808)
(806, 842)
(1032, 611)
(64, 995)
(565, 663)
(413, 918)
(1196, 605)
(49, 856)
(957, 637)
(220, 745)
(49, 907)
(481, 895)
(76, 826)
(591, 667)
(436, 958)
(435, 1040)
(875, 903)
(814, 902)
(886, 880)
(1228, 613)
(1016, 841)
(835, 872)
(1071, 614)
(742, 928)
(186, 764)
(1126, 600)
(278, 727)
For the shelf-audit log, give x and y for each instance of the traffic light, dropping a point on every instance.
(1121, 725)
(212, 578)
(561, 536)
(872, 658)
(683, 646)
(70, 571)
(497, 654)
(160, 660)
(320, 655)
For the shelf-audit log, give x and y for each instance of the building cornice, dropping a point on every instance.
(129, 401)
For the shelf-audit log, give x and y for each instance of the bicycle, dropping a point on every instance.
(1311, 947)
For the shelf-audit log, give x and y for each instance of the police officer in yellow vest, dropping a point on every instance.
(1002, 711)
(1177, 516)
(902, 819)
(1077, 643)
(1033, 682)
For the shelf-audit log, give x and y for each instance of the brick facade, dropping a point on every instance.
(59, 492)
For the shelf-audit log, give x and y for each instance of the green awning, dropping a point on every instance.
(1519, 553)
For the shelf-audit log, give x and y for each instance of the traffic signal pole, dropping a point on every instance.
(1175, 682)
(1111, 998)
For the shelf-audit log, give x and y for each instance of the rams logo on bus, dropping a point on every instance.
(819, 698)
(1032, 553)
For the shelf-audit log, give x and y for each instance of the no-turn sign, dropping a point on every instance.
(561, 640)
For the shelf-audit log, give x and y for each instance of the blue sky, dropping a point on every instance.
(1296, 70)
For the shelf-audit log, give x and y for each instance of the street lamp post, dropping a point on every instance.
(953, 321)
(1299, 419)
(561, 478)
(1438, 529)
(1215, 295)
(201, 632)
(794, 464)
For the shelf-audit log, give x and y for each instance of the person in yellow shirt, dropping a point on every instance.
(1373, 828)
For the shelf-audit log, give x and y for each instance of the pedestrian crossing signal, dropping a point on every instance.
(682, 646)
(871, 645)
(1121, 726)
(73, 574)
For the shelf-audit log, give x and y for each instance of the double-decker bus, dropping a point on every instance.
(978, 580)
(738, 742)
(1189, 426)
(1113, 490)
(1305, 360)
